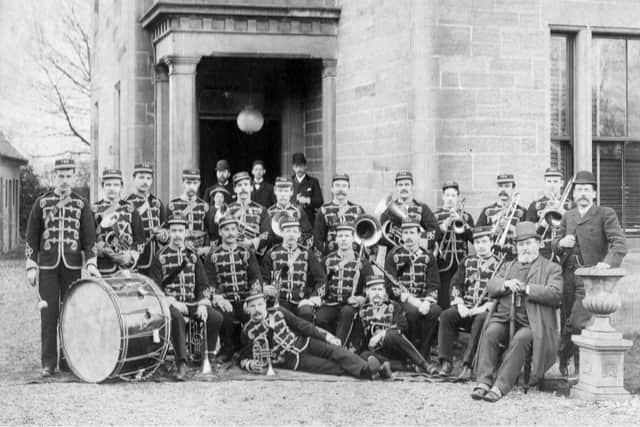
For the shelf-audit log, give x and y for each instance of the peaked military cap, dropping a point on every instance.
(111, 174)
(191, 174)
(144, 167)
(401, 175)
(61, 164)
(504, 178)
(241, 176)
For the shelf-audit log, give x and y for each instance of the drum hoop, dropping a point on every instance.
(111, 294)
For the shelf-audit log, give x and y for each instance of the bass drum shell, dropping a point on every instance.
(117, 327)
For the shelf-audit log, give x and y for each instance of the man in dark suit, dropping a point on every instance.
(589, 235)
(306, 189)
(261, 190)
(223, 175)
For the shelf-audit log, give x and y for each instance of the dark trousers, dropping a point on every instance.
(53, 286)
(396, 349)
(422, 327)
(444, 293)
(337, 319)
(179, 332)
(450, 321)
(232, 328)
(323, 358)
(306, 312)
(495, 338)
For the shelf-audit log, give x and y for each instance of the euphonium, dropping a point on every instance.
(275, 223)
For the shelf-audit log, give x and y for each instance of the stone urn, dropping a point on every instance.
(601, 296)
(602, 348)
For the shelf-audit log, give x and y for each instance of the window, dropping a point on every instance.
(615, 107)
(561, 112)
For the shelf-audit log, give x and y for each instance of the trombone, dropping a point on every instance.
(553, 215)
(507, 215)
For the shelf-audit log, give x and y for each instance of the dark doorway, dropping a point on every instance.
(221, 139)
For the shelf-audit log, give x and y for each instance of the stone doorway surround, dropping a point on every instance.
(184, 31)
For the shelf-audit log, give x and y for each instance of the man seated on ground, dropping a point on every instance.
(384, 323)
(293, 343)
(470, 304)
(178, 271)
(528, 290)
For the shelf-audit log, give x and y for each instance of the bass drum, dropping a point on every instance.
(117, 327)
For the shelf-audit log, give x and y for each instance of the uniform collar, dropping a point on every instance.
(186, 198)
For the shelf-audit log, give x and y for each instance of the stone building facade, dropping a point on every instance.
(450, 89)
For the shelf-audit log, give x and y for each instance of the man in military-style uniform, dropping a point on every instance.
(306, 189)
(384, 323)
(553, 183)
(406, 206)
(284, 207)
(338, 210)
(416, 286)
(343, 290)
(195, 210)
(60, 231)
(294, 272)
(253, 220)
(456, 226)
(470, 303)
(119, 229)
(277, 337)
(589, 236)
(178, 271)
(234, 271)
(223, 177)
(495, 214)
(152, 214)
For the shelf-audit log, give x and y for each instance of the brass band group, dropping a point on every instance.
(280, 279)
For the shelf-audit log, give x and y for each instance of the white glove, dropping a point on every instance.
(32, 276)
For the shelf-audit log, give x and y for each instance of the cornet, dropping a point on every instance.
(459, 225)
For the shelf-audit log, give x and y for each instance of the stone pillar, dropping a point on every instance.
(582, 148)
(328, 124)
(184, 147)
(602, 348)
(161, 151)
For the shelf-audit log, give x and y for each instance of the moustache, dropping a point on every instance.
(341, 193)
(585, 198)
(503, 193)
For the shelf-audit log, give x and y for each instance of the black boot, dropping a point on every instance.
(181, 372)
(445, 369)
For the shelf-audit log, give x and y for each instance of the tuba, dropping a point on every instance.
(275, 223)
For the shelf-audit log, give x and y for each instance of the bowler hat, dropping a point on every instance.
(222, 165)
(526, 230)
(298, 159)
(585, 177)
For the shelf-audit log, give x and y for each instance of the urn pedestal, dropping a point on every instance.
(602, 348)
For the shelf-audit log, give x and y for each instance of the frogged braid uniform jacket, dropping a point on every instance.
(300, 272)
(293, 211)
(233, 272)
(190, 284)
(420, 211)
(127, 228)
(376, 318)
(470, 280)
(340, 278)
(327, 219)
(60, 230)
(535, 214)
(416, 271)
(196, 212)
(281, 334)
(153, 215)
(253, 221)
(461, 240)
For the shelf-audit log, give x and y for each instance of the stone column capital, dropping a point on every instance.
(181, 64)
(329, 67)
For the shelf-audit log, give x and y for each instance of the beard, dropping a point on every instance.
(527, 257)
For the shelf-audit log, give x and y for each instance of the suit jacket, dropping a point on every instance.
(308, 187)
(545, 295)
(599, 237)
(264, 195)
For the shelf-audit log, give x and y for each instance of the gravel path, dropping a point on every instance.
(254, 402)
